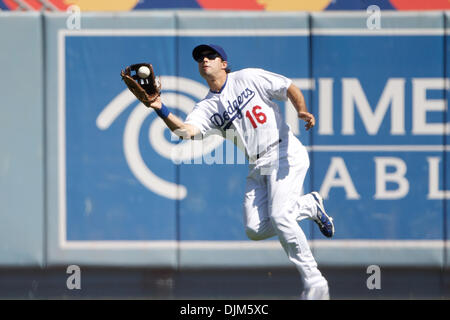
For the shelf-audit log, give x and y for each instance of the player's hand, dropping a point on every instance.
(157, 104)
(308, 118)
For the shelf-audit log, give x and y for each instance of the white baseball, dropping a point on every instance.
(143, 72)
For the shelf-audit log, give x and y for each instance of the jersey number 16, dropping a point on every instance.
(259, 116)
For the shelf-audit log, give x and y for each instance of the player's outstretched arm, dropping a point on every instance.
(297, 99)
(175, 124)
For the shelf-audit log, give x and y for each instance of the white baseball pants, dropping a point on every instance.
(273, 205)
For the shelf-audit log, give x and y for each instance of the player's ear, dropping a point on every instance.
(224, 65)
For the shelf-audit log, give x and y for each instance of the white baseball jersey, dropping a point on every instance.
(244, 104)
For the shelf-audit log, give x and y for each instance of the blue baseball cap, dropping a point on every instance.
(213, 47)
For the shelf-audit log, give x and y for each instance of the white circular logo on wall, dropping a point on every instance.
(177, 152)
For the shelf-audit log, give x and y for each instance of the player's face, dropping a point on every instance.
(210, 64)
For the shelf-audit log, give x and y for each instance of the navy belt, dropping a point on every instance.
(259, 155)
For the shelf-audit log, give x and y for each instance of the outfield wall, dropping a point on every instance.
(88, 176)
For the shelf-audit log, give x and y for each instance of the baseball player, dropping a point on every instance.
(273, 204)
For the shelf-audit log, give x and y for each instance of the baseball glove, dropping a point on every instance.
(145, 89)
